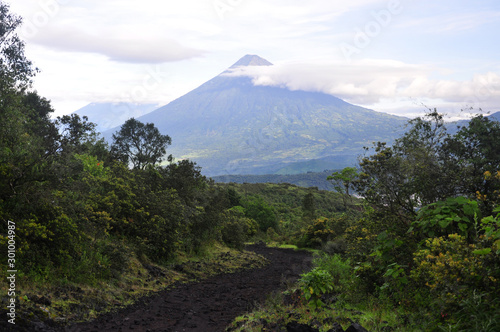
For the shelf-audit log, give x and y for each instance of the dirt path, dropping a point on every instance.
(209, 305)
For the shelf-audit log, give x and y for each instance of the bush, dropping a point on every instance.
(257, 209)
(340, 269)
(236, 228)
(450, 271)
(233, 235)
(316, 234)
(51, 238)
(454, 215)
(337, 246)
(314, 284)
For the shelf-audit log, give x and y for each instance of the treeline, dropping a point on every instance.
(427, 245)
(422, 250)
(289, 214)
(309, 179)
(81, 208)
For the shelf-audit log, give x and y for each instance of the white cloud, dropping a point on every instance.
(120, 48)
(369, 82)
(443, 52)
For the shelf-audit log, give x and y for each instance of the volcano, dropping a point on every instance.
(228, 125)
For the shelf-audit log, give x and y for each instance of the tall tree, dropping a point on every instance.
(411, 173)
(15, 70)
(427, 165)
(27, 135)
(472, 153)
(140, 144)
(343, 182)
(309, 206)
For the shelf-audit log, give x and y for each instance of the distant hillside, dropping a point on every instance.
(230, 126)
(111, 115)
(287, 199)
(494, 116)
(306, 180)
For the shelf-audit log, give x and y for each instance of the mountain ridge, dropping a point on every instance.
(228, 125)
(251, 60)
(108, 115)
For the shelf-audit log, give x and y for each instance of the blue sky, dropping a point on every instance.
(393, 56)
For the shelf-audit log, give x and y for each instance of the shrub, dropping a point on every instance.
(340, 269)
(257, 209)
(336, 246)
(454, 215)
(314, 284)
(233, 234)
(316, 234)
(450, 270)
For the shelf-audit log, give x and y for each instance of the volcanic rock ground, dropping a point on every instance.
(208, 305)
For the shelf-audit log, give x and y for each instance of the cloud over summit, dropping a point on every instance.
(367, 82)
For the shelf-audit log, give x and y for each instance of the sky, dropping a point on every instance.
(394, 56)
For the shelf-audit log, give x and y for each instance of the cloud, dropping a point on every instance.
(369, 82)
(94, 49)
(123, 31)
(117, 47)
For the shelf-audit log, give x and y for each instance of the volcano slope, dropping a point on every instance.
(208, 305)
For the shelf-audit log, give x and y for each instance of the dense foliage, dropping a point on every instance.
(286, 213)
(428, 242)
(423, 255)
(79, 211)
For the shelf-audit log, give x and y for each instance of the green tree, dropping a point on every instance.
(15, 70)
(186, 178)
(411, 173)
(309, 206)
(472, 153)
(343, 182)
(77, 134)
(140, 144)
(257, 209)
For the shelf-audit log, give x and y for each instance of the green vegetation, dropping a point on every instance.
(141, 144)
(88, 231)
(288, 214)
(420, 251)
(424, 253)
(309, 179)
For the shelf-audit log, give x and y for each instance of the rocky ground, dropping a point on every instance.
(207, 305)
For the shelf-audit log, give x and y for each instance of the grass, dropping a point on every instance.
(275, 314)
(290, 246)
(343, 306)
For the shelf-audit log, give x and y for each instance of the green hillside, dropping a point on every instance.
(310, 179)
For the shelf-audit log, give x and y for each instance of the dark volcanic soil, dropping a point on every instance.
(209, 305)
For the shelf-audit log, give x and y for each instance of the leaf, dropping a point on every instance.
(463, 227)
(470, 209)
(484, 251)
(444, 223)
(382, 236)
